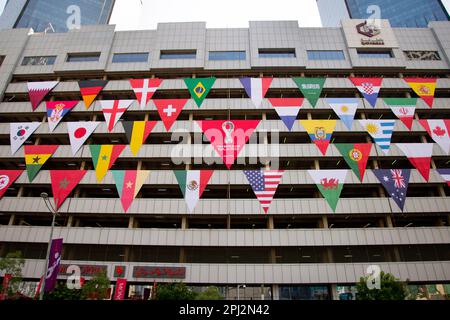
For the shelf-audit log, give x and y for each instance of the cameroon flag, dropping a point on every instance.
(137, 132)
(104, 156)
(128, 184)
(35, 157)
(356, 156)
(90, 89)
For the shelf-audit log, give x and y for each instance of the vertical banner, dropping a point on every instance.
(54, 261)
(6, 278)
(121, 286)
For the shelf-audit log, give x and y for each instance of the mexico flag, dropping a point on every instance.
(128, 184)
(438, 129)
(356, 156)
(192, 184)
(38, 90)
(424, 88)
(287, 109)
(403, 108)
(36, 156)
(419, 154)
(90, 89)
(104, 156)
(137, 132)
(144, 89)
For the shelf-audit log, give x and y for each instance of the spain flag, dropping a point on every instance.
(424, 88)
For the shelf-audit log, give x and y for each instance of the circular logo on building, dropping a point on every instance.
(4, 181)
(192, 185)
(355, 155)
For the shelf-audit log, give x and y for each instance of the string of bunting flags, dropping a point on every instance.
(229, 136)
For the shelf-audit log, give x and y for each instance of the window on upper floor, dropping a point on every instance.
(39, 61)
(380, 54)
(178, 54)
(226, 55)
(422, 55)
(130, 57)
(277, 53)
(83, 57)
(325, 55)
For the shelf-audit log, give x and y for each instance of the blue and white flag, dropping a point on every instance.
(287, 109)
(395, 181)
(381, 132)
(345, 108)
(256, 88)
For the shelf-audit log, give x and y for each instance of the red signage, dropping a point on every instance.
(86, 270)
(7, 277)
(121, 286)
(159, 272)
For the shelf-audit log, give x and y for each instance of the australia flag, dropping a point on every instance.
(395, 181)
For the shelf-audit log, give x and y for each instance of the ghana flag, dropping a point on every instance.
(35, 157)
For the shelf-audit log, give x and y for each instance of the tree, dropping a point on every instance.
(12, 264)
(174, 291)
(211, 293)
(61, 292)
(96, 288)
(391, 288)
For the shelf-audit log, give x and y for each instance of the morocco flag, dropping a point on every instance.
(128, 184)
(192, 184)
(419, 154)
(104, 156)
(35, 157)
(356, 156)
(63, 182)
(7, 177)
(90, 89)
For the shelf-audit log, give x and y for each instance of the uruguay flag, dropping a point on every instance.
(287, 109)
(345, 108)
(256, 88)
(369, 88)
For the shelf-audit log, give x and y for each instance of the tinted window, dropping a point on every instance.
(276, 53)
(38, 61)
(178, 54)
(325, 55)
(130, 57)
(375, 54)
(83, 57)
(227, 55)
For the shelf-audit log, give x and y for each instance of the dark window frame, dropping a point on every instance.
(375, 54)
(277, 53)
(178, 54)
(83, 57)
(319, 55)
(119, 55)
(38, 61)
(240, 55)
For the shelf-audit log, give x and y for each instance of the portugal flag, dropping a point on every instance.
(192, 184)
(63, 182)
(137, 132)
(128, 184)
(104, 156)
(35, 157)
(90, 89)
(356, 156)
(424, 88)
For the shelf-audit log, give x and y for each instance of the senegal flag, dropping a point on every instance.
(35, 157)
(137, 132)
(192, 184)
(128, 184)
(356, 156)
(104, 156)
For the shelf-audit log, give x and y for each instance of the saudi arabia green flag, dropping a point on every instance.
(330, 184)
(199, 88)
(311, 88)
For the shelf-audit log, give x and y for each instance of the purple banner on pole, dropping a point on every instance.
(54, 261)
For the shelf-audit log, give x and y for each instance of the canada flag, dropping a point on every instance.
(438, 131)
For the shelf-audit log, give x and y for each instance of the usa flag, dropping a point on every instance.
(264, 184)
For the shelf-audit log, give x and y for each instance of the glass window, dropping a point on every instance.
(39, 61)
(304, 292)
(83, 57)
(276, 53)
(130, 57)
(178, 54)
(227, 55)
(422, 55)
(381, 54)
(325, 55)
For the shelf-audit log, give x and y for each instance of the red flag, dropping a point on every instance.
(144, 89)
(121, 285)
(419, 154)
(63, 182)
(169, 110)
(7, 177)
(38, 90)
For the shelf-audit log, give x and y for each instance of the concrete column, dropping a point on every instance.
(69, 221)
(309, 116)
(275, 292)
(324, 222)
(270, 223)
(184, 222)
(12, 218)
(131, 222)
(334, 293)
(228, 222)
(182, 258)
(389, 222)
(329, 256)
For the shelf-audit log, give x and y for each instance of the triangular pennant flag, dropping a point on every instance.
(403, 108)
(381, 132)
(228, 137)
(287, 109)
(311, 88)
(63, 182)
(128, 184)
(395, 181)
(424, 88)
(419, 154)
(144, 89)
(356, 156)
(369, 88)
(345, 109)
(256, 88)
(330, 184)
(79, 132)
(320, 132)
(169, 110)
(36, 156)
(7, 178)
(445, 174)
(19, 132)
(104, 156)
(192, 184)
(56, 110)
(38, 90)
(113, 110)
(90, 89)
(199, 88)
(264, 184)
(438, 129)
(137, 132)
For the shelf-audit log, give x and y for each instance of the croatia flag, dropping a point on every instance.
(287, 109)
(369, 88)
(256, 88)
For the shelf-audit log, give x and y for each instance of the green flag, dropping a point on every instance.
(310, 88)
(199, 88)
(356, 156)
(330, 184)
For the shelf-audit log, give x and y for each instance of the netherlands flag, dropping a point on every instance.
(287, 109)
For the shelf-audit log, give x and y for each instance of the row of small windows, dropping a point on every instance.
(231, 56)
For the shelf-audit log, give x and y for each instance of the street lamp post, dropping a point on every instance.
(54, 212)
(240, 285)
